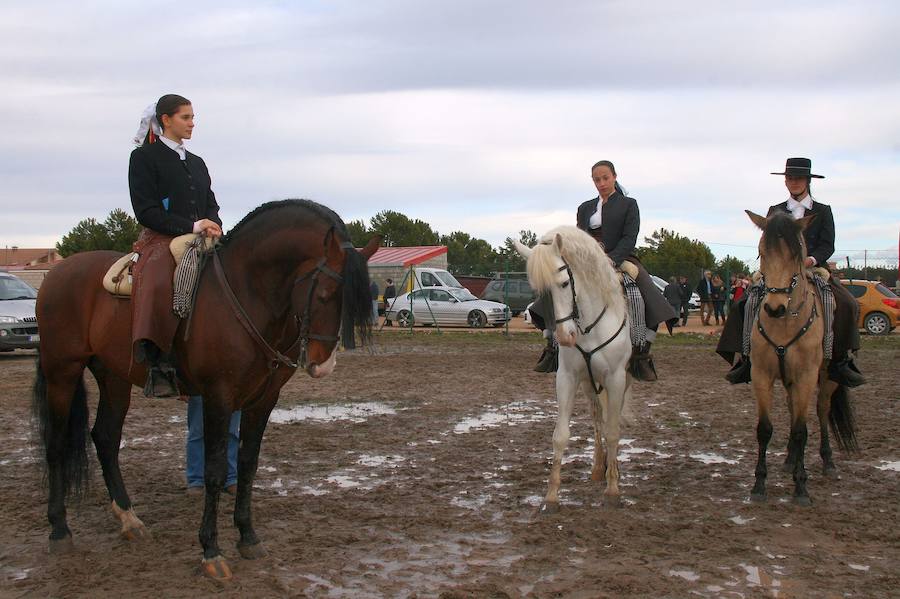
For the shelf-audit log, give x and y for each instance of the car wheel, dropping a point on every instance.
(405, 318)
(477, 319)
(877, 323)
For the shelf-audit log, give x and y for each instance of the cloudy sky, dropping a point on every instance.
(476, 116)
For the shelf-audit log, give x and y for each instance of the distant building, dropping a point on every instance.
(395, 262)
(29, 264)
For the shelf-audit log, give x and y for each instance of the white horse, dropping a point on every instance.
(592, 327)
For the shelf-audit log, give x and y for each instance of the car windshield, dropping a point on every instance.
(463, 294)
(885, 291)
(447, 279)
(14, 289)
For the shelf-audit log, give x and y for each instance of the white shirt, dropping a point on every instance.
(799, 208)
(179, 148)
(597, 217)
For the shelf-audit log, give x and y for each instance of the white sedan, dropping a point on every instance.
(446, 306)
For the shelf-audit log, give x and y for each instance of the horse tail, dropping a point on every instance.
(357, 302)
(74, 460)
(842, 420)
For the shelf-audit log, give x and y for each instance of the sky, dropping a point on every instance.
(474, 116)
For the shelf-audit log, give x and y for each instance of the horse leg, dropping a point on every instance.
(565, 396)
(216, 418)
(60, 407)
(253, 425)
(823, 409)
(598, 471)
(612, 403)
(801, 391)
(762, 390)
(115, 399)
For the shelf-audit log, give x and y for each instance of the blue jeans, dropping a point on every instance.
(194, 450)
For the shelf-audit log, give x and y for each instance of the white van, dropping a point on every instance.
(429, 277)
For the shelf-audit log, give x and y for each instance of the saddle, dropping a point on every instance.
(117, 279)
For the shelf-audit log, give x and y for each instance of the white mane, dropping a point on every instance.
(590, 266)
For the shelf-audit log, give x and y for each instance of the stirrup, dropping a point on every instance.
(160, 382)
(641, 364)
(740, 372)
(846, 373)
(549, 361)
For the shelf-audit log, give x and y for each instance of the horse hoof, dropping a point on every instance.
(612, 501)
(61, 546)
(138, 533)
(802, 501)
(216, 568)
(548, 508)
(255, 551)
(758, 497)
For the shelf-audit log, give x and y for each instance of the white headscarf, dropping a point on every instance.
(148, 123)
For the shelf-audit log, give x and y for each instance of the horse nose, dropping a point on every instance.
(776, 313)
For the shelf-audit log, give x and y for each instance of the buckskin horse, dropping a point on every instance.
(595, 346)
(786, 344)
(285, 277)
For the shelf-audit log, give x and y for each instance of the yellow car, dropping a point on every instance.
(879, 307)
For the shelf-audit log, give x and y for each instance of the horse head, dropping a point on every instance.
(334, 306)
(782, 254)
(569, 265)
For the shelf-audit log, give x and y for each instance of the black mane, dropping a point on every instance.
(317, 209)
(781, 226)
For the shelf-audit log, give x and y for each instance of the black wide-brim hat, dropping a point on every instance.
(799, 167)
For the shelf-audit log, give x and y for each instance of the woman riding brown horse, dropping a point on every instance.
(284, 287)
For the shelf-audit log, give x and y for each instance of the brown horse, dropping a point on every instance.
(786, 344)
(284, 286)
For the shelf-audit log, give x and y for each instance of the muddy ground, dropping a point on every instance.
(418, 470)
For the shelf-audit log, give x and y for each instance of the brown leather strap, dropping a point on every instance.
(272, 355)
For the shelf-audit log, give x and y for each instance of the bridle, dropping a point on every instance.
(781, 350)
(274, 357)
(574, 317)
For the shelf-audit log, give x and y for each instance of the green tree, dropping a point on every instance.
(508, 254)
(467, 255)
(399, 230)
(729, 265)
(118, 232)
(359, 235)
(669, 254)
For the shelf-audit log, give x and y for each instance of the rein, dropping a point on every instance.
(273, 356)
(781, 350)
(574, 316)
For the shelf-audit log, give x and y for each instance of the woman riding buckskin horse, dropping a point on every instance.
(613, 220)
(171, 196)
(819, 239)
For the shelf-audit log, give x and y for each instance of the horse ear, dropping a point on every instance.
(806, 221)
(371, 247)
(559, 243)
(523, 249)
(759, 221)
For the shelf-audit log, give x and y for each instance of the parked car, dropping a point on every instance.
(516, 293)
(18, 324)
(693, 303)
(879, 307)
(446, 306)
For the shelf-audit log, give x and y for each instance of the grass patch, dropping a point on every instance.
(879, 342)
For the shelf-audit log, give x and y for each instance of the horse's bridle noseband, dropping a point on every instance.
(574, 316)
(273, 356)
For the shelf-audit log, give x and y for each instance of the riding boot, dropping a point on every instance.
(845, 372)
(160, 372)
(641, 364)
(740, 372)
(549, 360)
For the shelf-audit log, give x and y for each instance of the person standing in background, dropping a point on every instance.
(390, 292)
(373, 291)
(704, 290)
(195, 450)
(672, 294)
(685, 290)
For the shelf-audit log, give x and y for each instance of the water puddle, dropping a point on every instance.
(685, 574)
(895, 466)
(859, 567)
(514, 413)
(712, 458)
(741, 521)
(353, 412)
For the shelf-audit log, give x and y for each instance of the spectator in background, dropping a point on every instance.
(390, 292)
(718, 297)
(704, 290)
(685, 290)
(672, 293)
(373, 291)
(738, 287)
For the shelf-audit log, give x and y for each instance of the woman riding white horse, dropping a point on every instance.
(595, 347)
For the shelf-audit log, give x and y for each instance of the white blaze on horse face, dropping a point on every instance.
(318, 371)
